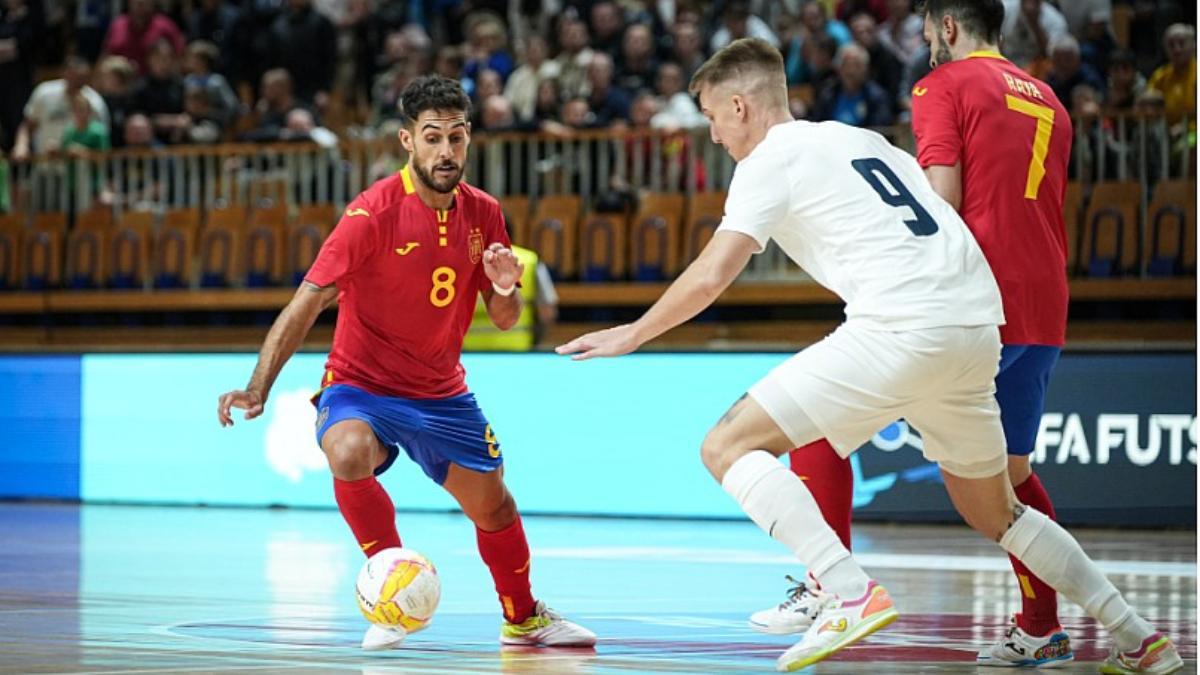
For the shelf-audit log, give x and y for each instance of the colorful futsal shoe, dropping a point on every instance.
(793, 615)
(379, 638)
(1156, 656)
(1018, 649)
(839, 624)
(547, 628)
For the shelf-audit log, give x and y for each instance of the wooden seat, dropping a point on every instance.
(602, 242)
(273, 215)
(85, 257)
(51, 220)
(143, 220)
(12, 232)
(183, 218)
(1110, 241)
(516, 211)
(321, 215)
(231, 216)
(553, 231)
(263, 247)
(1072, 207)
(304, 241)
(219, 254)
(41, 258)
(704, 214)
(1170, 242)
(654, 236)
(127, 259)
(96, 218)
(171, 257)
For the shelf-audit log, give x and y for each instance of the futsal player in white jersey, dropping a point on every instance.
(920, 342)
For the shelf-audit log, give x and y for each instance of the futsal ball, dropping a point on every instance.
(398, 587)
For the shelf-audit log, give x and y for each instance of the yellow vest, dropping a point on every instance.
(483, 334)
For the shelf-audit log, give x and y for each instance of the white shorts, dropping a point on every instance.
(857, 381)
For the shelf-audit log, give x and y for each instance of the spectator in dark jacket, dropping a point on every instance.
(853, 98)
(305, 44)
(1068, 70)
(17, 43)
(886, 69)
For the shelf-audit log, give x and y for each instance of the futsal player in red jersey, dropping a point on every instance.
(995, 144)
(405, 263)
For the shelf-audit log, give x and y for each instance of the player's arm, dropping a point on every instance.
(503, 301)
(284, 338)
(947, 182)
(701, 283)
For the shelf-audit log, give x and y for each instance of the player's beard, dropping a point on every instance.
(943, 53)
(443, 186)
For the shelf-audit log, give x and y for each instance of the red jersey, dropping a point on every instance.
(1013, 138)
(407, 277)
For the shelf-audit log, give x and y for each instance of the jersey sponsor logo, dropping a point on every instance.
(408, 247)
(475, 246)
(350, 213)
(919, 91)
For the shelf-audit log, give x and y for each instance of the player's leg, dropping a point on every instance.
(741, 452)
(356, 455)
(989, 505)
(1035, 639)
(459, 451)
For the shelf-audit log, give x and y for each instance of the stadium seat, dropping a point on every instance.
(230, 216)
(12, 231)
(304, 240)
(516, 210)
(1072, 207)
(553, 232)
(41, 250)
(271, 214)
(54, 220)
(654, 236)
(263, 245)
(171, 257)
(602, 247)
(85, 257)
(219, 250)
(1170, 245)
(704, 215)
(143, 220)
(96, 218)
(1110, 240)
(182, 218)
(322, 215)
(127, 262)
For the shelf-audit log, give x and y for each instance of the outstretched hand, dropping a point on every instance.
(613, 341)
(501, 266)
(250, 401)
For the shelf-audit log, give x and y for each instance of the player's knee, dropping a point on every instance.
(351, 452)
(719, 451)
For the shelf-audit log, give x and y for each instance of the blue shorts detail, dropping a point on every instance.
(433, 432)
(1021, 392)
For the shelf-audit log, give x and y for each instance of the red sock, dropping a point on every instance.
(1039, 602)
(830, 480)
(506, 553)
(369, 512)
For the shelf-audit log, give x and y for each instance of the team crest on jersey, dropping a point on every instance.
(475, 246)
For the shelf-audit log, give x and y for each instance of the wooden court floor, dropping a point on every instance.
(115, 589)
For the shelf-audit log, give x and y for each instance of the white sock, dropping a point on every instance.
(1055, 557)
(779, 503)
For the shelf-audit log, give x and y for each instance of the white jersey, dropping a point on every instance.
(860, 217)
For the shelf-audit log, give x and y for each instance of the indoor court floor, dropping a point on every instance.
(123, 589)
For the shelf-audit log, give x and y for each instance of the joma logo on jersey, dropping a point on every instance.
(403, 250)
(350, 213)
(475, 246)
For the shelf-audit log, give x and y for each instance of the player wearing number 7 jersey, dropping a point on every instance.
(406, 263)
(920, 342)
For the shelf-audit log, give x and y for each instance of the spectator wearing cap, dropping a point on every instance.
(903, 31)
(134, 33)
(853, 98)
(1029, 28)
(522, 86)
(1176, 79)
(1068, 71)
(638, 66)
(737, 22)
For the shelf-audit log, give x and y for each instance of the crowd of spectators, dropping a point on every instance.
(161, 72)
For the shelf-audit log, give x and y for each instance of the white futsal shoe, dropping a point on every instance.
(546, 628)
(840, 624)
(1156, 656)
(1018, 649)
(793, 615)
(379, 637)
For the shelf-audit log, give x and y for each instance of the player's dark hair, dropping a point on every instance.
(432, 92)
(980, 18)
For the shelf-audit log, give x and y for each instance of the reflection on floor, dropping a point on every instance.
(112, 589)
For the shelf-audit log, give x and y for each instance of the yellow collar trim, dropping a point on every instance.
(406, 177)
(986, 54)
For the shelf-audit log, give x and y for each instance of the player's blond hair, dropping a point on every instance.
(752, 66)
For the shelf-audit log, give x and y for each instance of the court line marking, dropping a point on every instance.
(894, 561)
